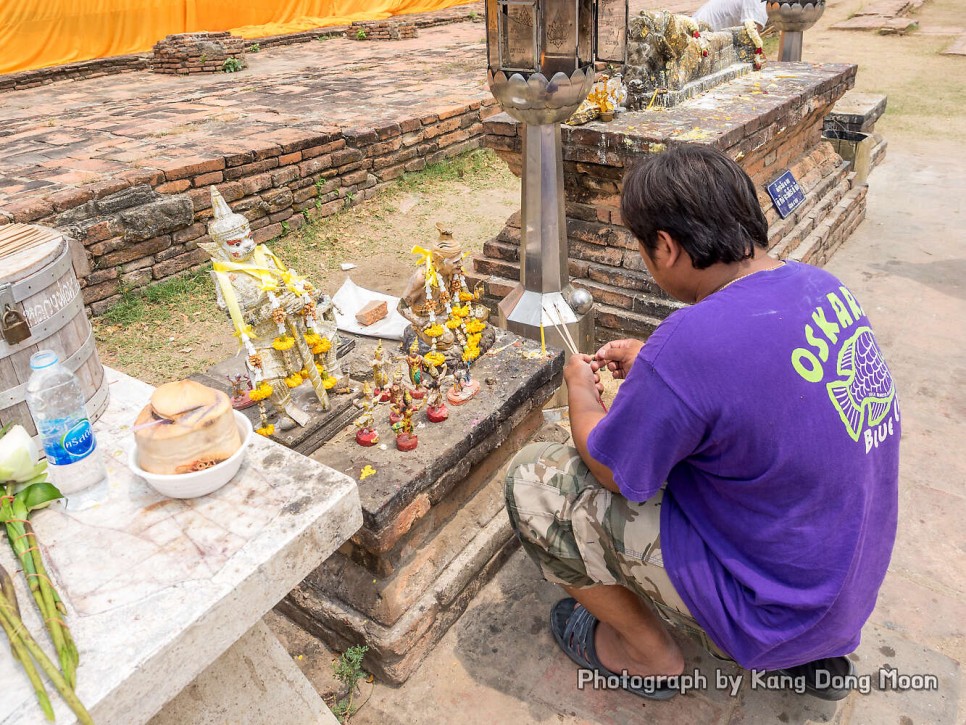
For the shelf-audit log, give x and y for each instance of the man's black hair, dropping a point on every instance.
(701, 198)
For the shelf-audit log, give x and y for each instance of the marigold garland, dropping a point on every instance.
(467, 296)
(304, 373)
(434, 358)
(261, 392)
(294, 380)
(453, 322)
(470, 353)
(325, 344)
(329, 382)
(265, 430)
(312, 339)
(433, 331)
(474, 326)
(283, 342)
(461, 311)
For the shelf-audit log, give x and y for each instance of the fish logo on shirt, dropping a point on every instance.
(864, 392)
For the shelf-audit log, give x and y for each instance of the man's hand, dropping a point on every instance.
(579, 373)
(617, 356)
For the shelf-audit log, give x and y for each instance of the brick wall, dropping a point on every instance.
(145, 225)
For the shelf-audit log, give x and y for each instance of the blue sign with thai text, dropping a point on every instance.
(786, 193)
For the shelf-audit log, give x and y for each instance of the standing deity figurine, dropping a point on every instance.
(380, 378)
(283, 322)
(406, 439)
(366, 434)
(436, 370)
(439, 304)
(417, 373)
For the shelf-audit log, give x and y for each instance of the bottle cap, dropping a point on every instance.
(43, 359)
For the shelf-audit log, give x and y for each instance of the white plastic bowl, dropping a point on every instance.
(197, 483)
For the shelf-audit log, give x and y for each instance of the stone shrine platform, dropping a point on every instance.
(158, 589)
(770, 121)
(434, 529)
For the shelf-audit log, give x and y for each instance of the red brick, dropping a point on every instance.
(179, 263)
(256, 167)
(95, 292)
(292, 158)
(266, 233)
(28, 210)
(174, 187)
(69, 198)
(215, 177)
(328, 148)
(454, 111)
(186, 168)
(101, 189)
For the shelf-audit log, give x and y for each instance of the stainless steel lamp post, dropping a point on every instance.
(793, 17)
(540, 57)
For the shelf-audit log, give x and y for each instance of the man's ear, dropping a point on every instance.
(670, 251)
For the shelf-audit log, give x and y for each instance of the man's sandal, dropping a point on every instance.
(836, 673)
(574, 627)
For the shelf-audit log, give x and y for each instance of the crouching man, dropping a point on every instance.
(743, 485)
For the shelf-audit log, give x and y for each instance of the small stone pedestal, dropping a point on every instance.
(434, 527)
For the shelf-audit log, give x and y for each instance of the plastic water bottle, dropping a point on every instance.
(56, 403)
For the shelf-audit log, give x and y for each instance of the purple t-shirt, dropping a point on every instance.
(770, 412)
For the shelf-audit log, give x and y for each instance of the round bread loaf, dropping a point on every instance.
(186, 427)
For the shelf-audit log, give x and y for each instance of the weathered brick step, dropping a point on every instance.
(779, 231)
(615, 322)
(829, 234)
(641, 303)
(821, 211)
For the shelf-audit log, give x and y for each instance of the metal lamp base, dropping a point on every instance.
(524, 311)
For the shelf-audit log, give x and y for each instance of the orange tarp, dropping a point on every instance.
(40, 33)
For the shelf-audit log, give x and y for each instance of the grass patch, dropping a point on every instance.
(155, 303)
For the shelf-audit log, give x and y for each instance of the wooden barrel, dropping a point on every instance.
(37, 279)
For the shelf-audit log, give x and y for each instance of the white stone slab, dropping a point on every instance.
(255, 681)
(158, 588)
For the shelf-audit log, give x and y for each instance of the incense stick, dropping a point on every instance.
(573, 345)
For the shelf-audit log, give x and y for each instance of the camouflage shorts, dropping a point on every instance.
(582, 535)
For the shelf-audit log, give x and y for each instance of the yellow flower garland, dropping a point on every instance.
(474, 326)
(467, 296)
(293, 380)
(463, 311)
(434, 358)
(261, 392)
(265, 430)
(325, 344)
(312, 339)
(433, 331)
(329, 382)
(453, 322)
(283, 342)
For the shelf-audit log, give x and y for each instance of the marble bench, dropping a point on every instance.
(160, 591)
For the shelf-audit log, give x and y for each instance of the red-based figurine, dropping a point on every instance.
(406, 440)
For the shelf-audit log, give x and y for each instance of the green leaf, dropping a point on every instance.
(37, 495)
